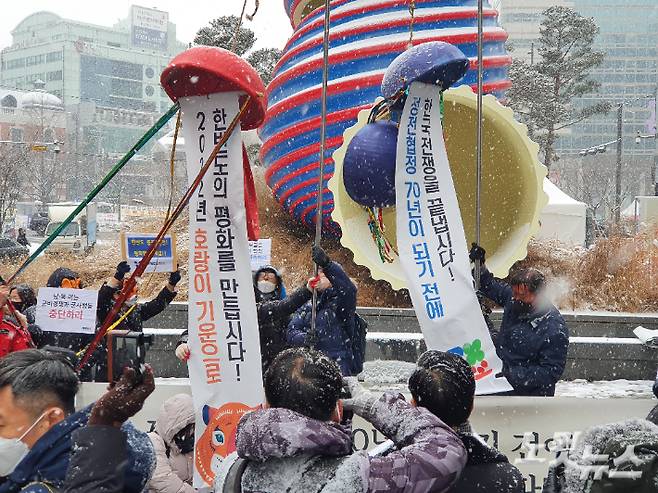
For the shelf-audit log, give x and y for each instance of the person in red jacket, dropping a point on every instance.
(12, 337)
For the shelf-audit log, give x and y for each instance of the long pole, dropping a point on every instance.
(620, 112)
(478, 174)
(323, 142)
(654, 186)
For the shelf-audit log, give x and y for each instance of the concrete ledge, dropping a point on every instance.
(589, 358)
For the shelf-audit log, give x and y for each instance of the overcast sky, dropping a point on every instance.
(271, 24)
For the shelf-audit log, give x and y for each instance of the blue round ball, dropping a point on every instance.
(369, 165)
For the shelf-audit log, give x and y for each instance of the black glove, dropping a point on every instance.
(174, 277)
(477, 253)
(319, 256)
(122, 269)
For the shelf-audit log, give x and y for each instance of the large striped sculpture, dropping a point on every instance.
(365, 37)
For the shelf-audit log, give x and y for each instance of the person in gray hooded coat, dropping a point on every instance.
(173, 441)
(296, 444)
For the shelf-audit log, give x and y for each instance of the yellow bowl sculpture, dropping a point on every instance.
(512, 192)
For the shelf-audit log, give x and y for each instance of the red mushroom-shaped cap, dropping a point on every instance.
(206, 70)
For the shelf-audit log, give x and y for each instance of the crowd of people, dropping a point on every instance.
(300, 439)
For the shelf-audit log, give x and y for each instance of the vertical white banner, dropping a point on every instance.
(432, 244)
(225, 363)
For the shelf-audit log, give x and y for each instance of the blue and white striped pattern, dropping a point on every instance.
(365, 37)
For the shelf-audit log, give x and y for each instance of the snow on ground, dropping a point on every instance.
(393, 375)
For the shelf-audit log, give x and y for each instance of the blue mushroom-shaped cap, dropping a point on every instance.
(369, 165)
(435, 62)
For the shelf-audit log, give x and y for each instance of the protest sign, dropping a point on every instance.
(260, 253)
(432, 244)
(135, 245)
(67, 310)
(225, 363)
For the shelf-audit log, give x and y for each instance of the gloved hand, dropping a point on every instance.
(362, 401)
(123, 400)
(477, 253)
(122, 269)
(175, 277)
(319, 256)
(183, 352)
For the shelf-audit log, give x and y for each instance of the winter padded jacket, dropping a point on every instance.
(335, 322)
(533, 346)
(288, 452)
(44, 468)
(173, 470)
(141, 313)
(486, 471)
(13, 338)
(98, 461)
(625, 455)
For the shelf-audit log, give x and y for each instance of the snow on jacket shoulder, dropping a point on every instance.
(288, 452)
(635, 439)
(173, 470)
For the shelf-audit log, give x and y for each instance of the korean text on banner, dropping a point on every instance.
(225, 363)
(432, 243)
(67, 310)
(135, 245)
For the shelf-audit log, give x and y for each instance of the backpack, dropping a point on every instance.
(359, 343)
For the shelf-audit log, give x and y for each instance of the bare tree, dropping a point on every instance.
(12, 166)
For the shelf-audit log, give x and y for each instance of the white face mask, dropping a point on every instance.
(14, 450)
(266, 287)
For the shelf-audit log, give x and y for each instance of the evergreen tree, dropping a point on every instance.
(542, 94)
(221, 31)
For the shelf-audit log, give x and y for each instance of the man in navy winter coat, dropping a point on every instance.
(335, 316)
(37, 422)
(533, 337)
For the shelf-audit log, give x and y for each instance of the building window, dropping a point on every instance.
(34, 60)
(54, 56)
(56, 75)
(16, 134)
(114, 45)
(17, 63)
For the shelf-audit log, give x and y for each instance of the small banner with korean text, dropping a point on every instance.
(225, 364)
(432, 244)
(67, 310)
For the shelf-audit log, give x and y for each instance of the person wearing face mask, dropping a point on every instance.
(141, 312)
(335, 324)
(38, 421)
(24, 300)
(533, 338)
(173, 440)
(13, 337)
(273, 308)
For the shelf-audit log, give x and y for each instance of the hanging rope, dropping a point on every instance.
(312, 334)
(130, 284)
(412, 11)
(478, 164)
(172, 167)
(251, 17)
(97, 189)
(234, 41)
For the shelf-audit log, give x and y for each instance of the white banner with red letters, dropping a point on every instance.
(225, 363)
(432, 244)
